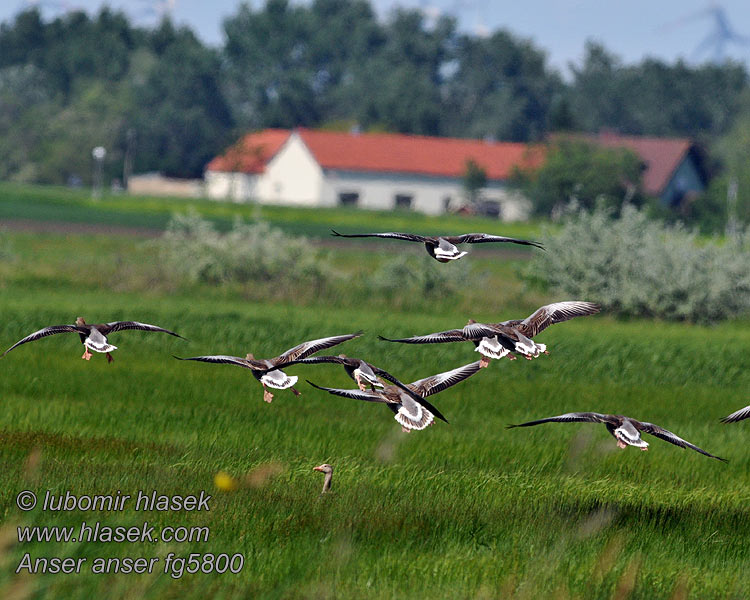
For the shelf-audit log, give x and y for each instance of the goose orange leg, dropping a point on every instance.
(267, 396)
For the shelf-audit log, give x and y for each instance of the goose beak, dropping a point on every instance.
(318, 469)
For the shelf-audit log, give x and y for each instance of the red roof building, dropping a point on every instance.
(386, 170)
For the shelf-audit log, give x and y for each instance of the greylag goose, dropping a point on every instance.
(268, 371)
(328, 470)
(743, 413)
(364, 373)
(625, 430)
(496, 340)
(410, 412)
(443, 248)
(93, 337)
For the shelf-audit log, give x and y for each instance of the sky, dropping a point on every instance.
(633, 30)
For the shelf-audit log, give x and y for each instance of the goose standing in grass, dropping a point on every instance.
(93, 337)
(328, 470)
(410, 412)
(443, 248)
(625, 430)
(496, 340)
(743, 413)
(268, 371)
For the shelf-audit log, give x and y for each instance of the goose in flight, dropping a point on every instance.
(93, 337)
(443, 248)
(268, 371)
(625, 430)
(496, 340)
(408, 411)
(365, 374)
(743, 413)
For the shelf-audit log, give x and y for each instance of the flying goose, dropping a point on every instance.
(93, 337)
(743, 413)
(364, 373)
(268, 371)
(496, 340)
(443, 248)
(408, 411)
(328, 470)
(625, 430)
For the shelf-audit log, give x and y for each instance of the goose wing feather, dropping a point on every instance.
(52, 330)
(550, 314)
(668, 436)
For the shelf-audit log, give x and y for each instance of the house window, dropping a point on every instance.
(348, 198)
(403, 201)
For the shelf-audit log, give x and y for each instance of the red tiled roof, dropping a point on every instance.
(398, 153)
(660, 155)
(251, 153)
(383, 152)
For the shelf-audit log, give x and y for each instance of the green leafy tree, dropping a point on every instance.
(576, 170)
(501, 88)
(473, 181)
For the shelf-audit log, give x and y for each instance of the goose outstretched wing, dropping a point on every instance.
(52, 330)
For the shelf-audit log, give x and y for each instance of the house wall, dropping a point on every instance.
(292, 176)
(240, 187)
(430, 195)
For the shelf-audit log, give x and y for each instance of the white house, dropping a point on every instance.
(306, 167)
(387, 171)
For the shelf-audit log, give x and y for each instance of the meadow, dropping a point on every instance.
(460, 510)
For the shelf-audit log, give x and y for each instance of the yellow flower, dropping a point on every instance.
(225, 482)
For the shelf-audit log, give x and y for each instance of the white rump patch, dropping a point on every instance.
(97, 342)
(453, 255)
(528, 347)
(106, 347)
(278, 380)
(624, 436)
(419, 420)
(491, 348)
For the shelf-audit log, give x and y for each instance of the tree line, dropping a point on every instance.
(158, 99)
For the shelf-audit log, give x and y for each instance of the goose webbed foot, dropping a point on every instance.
(644, 449)
(512, 357)
(296, 392)
(267, 396)
(405, 429)
(87, 355)
(621, 444)
(484, 362)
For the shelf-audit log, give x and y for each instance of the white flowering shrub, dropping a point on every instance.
(192, 248)
(637, 267)
(420, 277)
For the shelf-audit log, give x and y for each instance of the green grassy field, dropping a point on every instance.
(463, 510)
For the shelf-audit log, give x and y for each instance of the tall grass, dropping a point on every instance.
(461, 510)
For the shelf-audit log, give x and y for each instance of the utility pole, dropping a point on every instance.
(98, 154)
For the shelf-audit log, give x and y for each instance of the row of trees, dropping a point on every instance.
(161, 100)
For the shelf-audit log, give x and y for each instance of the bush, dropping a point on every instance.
(414, 277)
(637, 267)
(6, 247)
(191, 248)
